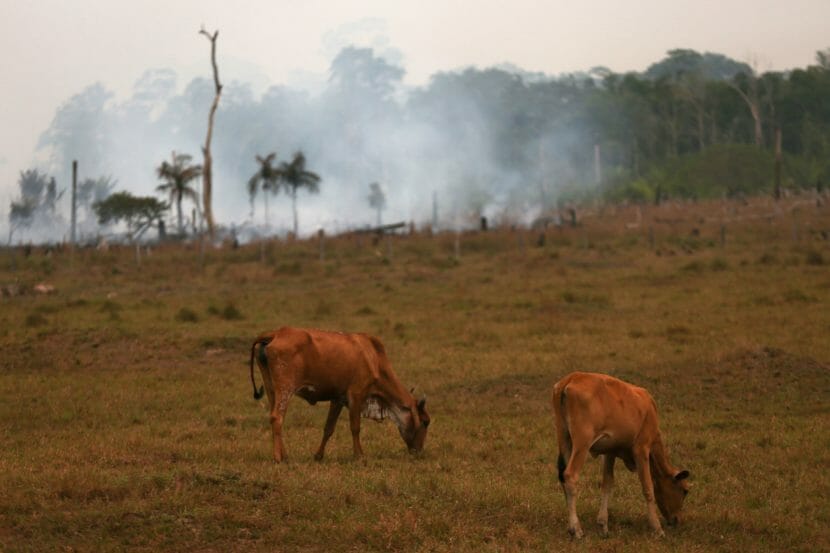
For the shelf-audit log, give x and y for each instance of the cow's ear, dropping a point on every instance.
(682, 475)
(421, 403)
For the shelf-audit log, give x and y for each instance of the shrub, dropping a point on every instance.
(719, 264)
(35, 319)
(767, 259)
(231, 313)
(112, 308)
(814, 258)
(693, 267)
(186, 315)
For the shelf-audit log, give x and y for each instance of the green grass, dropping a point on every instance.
(126, 418)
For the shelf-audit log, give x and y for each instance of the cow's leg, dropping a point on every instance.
(644, 472)
(278, 408)
(277, 405)
(331, 421)
(355, 405)
(570, 484)
(607, 484)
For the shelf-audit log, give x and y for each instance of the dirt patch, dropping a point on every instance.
(759, 379)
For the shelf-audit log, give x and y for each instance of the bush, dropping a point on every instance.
(35, 319)
(719, 264)
(722, 170)
(814, 258)
(231, 313)
(186, 315)
(112, 308)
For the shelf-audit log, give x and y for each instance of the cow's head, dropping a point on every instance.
(413, 427)
(670, 490)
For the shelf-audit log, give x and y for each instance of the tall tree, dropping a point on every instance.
(176, 177)
(823, 58)
(139, 212)
(207, 168)
(38, 199)
(21, 214)
(267, 178)
(294, 176)
(358, 72)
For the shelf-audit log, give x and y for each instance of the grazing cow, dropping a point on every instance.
(348, 370)
(603, 415)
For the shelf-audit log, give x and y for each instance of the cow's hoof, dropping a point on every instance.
(602, 522)
(575, 532)
(318, 457)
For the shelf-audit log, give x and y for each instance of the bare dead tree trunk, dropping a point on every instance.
(754, 105)
(777, 191)
(701, 126)
(673, 132)
(207, 173)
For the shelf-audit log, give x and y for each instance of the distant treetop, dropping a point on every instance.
(682, 61)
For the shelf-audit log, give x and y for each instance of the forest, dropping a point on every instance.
(500, 142)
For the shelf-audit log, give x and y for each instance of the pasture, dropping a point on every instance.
(127, 422)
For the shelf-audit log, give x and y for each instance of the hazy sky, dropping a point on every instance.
(52, 49)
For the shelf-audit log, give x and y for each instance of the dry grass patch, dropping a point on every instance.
(127, 426)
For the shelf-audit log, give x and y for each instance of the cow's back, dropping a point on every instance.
(325, 359)
(605, 404)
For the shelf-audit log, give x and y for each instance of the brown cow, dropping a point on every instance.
(348, 370)
(603, 415)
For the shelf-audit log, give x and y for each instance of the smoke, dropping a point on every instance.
(484, 142)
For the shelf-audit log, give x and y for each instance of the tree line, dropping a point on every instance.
(693, 125)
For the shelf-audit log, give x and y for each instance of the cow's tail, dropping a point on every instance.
(563, 438)
(262, 340)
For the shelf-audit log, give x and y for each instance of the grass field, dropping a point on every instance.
(126, 417)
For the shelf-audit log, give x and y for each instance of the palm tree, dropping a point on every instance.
(267, 178)
(294, 175)
(175, 177)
